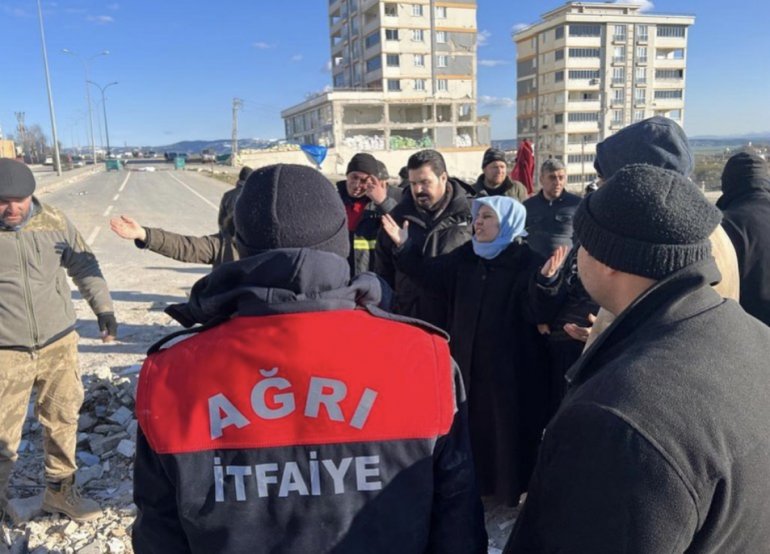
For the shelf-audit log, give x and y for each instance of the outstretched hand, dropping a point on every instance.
(397, 234)
(127, 228)
(554, 263)
(376, 190)
(580, 333)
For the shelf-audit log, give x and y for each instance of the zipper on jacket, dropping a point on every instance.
(27, 291)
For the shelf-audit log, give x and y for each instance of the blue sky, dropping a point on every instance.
(179, 64)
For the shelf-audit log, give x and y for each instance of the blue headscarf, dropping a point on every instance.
(512, 216)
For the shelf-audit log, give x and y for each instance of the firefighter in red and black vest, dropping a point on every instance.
(299, 416)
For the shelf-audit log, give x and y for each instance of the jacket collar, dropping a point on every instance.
(279, 281)
(458, 207)
(481, 186)
(757, 186)
(679, 296)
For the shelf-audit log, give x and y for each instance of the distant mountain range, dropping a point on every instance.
(195, 146)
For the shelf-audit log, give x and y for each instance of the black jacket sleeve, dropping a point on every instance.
(383, 259)
(157, 529)
(601, 486)
(436, 273)
(457, 519)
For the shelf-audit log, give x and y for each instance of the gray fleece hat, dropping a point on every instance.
(16, 179)
(657, 141)
(647, 221)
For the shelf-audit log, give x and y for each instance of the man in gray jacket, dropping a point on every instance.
(38, 342)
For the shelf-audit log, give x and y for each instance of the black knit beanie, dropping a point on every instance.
(647, 221)
(289, 206)
(657, 141)
(492, 155)
(16, 179)
(382, 171)
(365, 163)
(245, 172)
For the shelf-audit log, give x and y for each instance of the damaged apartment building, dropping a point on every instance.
(404, 76)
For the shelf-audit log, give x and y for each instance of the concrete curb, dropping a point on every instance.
(72, 176)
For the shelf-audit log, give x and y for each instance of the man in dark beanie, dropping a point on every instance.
(494, 181)
(274, 428)
(39, 247)
(367, 197)
(745, 205)
(661, 442)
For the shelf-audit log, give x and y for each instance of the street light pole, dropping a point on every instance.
(104, 108)
(57, 157)
(88, 94)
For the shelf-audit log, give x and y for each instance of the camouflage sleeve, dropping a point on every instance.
(83, 268)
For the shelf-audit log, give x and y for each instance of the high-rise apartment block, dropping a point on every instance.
(402, 72)
(588, 69)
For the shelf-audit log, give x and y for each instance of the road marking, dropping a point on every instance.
(124, 183)
(115, 198)
(107, 211)
(92, 236)
(216, 208)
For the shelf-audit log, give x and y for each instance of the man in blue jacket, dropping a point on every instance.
(301, 417)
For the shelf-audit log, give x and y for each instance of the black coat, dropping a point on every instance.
(501, 357)
(364, 236)
(661, 444)
(747, 223)
(432, 237)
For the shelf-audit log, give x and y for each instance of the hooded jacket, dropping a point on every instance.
(275, 430)
(745, 204)
(514, 189)
(661, 444)
(433, 235)
(364, 237)
(35, 301)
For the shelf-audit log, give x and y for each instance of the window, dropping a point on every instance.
(440, 12)
(675, 115)
(417, 35)
(638, 115)
(391, 10)
(619, 54)
(417, 10)
(373, 64)
(579, 117)
(640, 96)
(584, 74)
(669, 74)
(584, 52)
(392, 60)
(419, 60)
(664, 54)
(677, 31)
(442, 84)
(558, 119)
(559, 32)
(640, 75)
(618, 75)
(668, 94)
(353, 25)
(617, 116)
(558, 77)
(442, 61)
(391, 34)
(618, 96)
(641, 54)
(580, 158)
(419, 84)
(372, 39)
(339, 80)
(441, 37)
(619, 32)
(641, 32)
(585, 30)
(558, 55)
(394, 85)
(580, 178)
(355, 49)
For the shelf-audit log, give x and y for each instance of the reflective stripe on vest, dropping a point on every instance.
(363, 244)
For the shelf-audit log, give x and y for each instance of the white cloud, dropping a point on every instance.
(101, 19)
(497, 102)
(646, 5)
(13, 11)
(327, 67)
(519, 27)
(297, 58)
(493, 63)
(483, 38)
(263, 45)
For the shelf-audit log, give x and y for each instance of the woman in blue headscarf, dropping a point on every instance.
(494, 338)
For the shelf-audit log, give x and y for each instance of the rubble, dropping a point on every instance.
(106, 447)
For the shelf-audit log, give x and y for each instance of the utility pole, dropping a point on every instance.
(56, 156)
(237, 105)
